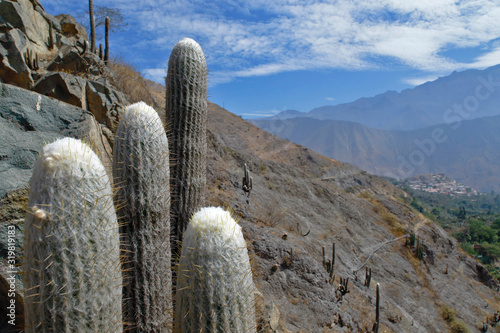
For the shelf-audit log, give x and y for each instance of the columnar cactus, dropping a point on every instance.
(376, 326)
(214, 280)
(186, 112)
(106, 34)
(247, 181)
(72, 271)
(141, 172)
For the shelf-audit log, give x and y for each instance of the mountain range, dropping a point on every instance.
(449, 125)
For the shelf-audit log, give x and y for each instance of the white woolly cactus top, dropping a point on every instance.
(189, 43)
(68, 154)
(215, 220)
(138, 114)
(71, 244)
(215, 291)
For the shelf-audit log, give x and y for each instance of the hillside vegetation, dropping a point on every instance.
(473, 220)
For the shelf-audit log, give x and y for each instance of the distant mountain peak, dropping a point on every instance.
(422, 106)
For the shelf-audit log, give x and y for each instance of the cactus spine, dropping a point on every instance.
(71, 252)
(141, 170)
(214, 280)
(186, 112)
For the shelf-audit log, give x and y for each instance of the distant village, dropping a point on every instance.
(439, 183)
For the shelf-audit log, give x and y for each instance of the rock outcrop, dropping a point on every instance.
(60, 66)
(28, 120)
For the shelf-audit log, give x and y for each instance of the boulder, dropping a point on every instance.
(64, 87)
(56, 26)
(104, 102)
(13, 69)
(98, 97)
(76, 58)
(28, 121)
(69, 27)
(5, 25)
(21, 14)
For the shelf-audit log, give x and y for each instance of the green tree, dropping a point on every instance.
(480, 232)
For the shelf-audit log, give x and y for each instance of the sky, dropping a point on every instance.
(267, 56)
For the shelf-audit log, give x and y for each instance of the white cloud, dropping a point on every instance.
(329, 98)
(416, 81)
(261, 37)
(155, 74)
(487, 59)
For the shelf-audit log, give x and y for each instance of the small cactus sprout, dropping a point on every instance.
(368, 276)
(215, 290)
(51, 36)
(141, 172)
(72, 270)
(186, 113)
(101, 55)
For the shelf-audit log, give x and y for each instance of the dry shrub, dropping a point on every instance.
(271, 213)
(129, 81)
(459, 326)
(448, 313)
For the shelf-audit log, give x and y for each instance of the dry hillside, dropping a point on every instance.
(318, 201)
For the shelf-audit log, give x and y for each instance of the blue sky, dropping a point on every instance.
(268, 56)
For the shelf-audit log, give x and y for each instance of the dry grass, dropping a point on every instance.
(128, 80)
(378, 207)
(455, 325)
(270, 213)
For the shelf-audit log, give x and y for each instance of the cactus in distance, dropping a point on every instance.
(247, 181)
(141, 172)
(215, 290)
(72, 269)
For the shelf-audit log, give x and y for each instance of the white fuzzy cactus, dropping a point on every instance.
(215, 290)
(72, 269)
(141, 172)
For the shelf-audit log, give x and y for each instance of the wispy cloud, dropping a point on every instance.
(254, 38)
(490, 58)
(415, 81)
(155, 74)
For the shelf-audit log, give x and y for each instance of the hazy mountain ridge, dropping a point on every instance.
(466, 150)
(474, 91)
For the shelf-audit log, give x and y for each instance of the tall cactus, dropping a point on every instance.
(71, 248)
(106, 34)
(214, 280)
(186, 112)
(141, 171)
